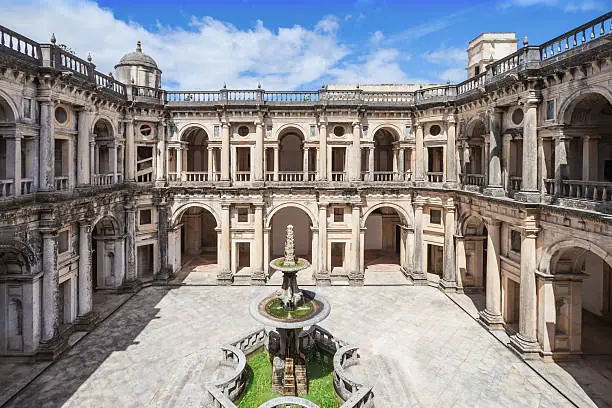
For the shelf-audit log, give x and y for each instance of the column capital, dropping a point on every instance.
(419, 202)
(491, 222)
(356, 123)
(322, 206)
(529, 232)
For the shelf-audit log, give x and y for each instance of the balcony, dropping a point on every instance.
(6, 188)
(61, 183)
(102, 179)
(242, 176)
(337, 176)
(596, 191)
(472, 179)
(435, 176)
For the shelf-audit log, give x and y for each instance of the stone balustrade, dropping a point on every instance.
(435, 176)
(110, 83)
(102, 179)
(288, 402)
(243, 176)
(216, 399)
(19, 44)
(549, 186)
(27, 186)
(337, 176)
(515, 183)
(472, 179)
(290, 176)
(283, 96)
(250, 342)
(233, 385)
(6, 188)
(61, 183)
(471, 84)
(344, 358)
(587, 190)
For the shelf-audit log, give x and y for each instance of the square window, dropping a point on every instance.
(435, 217)
(63, 241)
(27, 108)
(243, 214)
(145, 217)
(216, 130)
(515, 241)
(550, 110)
(338, 214)
(313, 131)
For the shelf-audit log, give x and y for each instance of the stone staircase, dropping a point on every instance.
(289, 378)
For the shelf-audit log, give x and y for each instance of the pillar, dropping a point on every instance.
(160, 174)
(529, 177)
(417, 274)
(451, 162)
(449, 278)
(492, 316)
(419, 155)
(130, 250)
(495, 187)
(85, 281)
(258, 276)
(276, 148)
(210, 164)
(224, 275)
(130, 150)
(356, 274)
(395, 163)
(259, 152)
(13, 162)
(526, 341)
(322, 170)
(400, 164)
(162, 237)
(562, 166)
(113, 156)
(83, 177)
(225, 152)
(46, 147)
(371, 163)
(355, 166)
(590, 165)
(50, 288)
(322, 275)
(305, 163)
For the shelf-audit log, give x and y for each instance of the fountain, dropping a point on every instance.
(289, 311)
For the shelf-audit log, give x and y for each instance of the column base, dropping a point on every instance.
(130, 286)
(528, 349)
(355, 278)
(447, 286)
(527, 196)
(491, 321)
(225, 277)
(86, 322)
(258, 278)
(51, 350)
(417, 277)
(494, 191)
(322, 278)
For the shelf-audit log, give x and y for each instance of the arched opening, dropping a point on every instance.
(106, 155)
(15, 322)
(383, 155)
(383, 241)
(302, 228)
(585, 164)
(472, 260)
(473, 155)
(583, 303)
(198, 240)
(107, 255)
(8, 170)
(291, 161)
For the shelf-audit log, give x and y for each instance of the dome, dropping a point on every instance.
(137, 58)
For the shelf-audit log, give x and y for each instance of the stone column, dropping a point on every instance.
(492, 316)
(395, 163)
(400, 164)
(93, 158)
(160, 175)
(371, 163)
(355, 166)
(210, 163)
(322, 275)
(130, 150)
(449, 279)
(85, 278)
(529, 177)
(224, 275)
(590, 165)
(258, 160)
(130, 249)
(495, 187)
(162, 241)
(322, 170)
(50, 288)
(526, 341)
(276, 148)
(13, 162)
(417, 274)
(451, 163)
(225, 152)
(562, 166)
(356, 274)
(258, 277)
(113, 155)
(305, 163)
(419, 171)
(83, 177)
(46, 147)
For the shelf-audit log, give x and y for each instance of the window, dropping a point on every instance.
(517, 116)
(144, 163)
(338, 214)
(339, 131)
(216, 131)
(146, 130)
(27, 108)
(63, 241)
(550, 110)
(515, 241)
(364, 131)
(435, 217)
(145, 217)
(243, 214)
(313, 131)
(435, 130)
(408, 131)
(243, 131)
(61, 116)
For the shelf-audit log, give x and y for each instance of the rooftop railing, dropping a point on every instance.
(20, 44)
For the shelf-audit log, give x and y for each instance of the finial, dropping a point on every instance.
(89, 57)
(110, 74)
(357, 86)
(525, 41)
(53, 40)
(259, 85)
(138, 46)
(224, 85)
(322, 85)
(132, 80)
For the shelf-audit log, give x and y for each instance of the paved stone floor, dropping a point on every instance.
(420, 349)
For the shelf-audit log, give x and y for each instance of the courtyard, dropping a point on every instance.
(419, 347)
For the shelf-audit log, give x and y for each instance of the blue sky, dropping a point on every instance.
(291, 44)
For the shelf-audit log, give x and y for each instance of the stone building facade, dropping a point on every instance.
(501, 184)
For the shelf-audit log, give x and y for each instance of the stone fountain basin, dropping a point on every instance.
(258, 311)
(300, 264)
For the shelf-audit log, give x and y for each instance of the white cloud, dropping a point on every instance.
(206, 52)
(567, 5)
(447, 56)
(454, 75)
(377, 37)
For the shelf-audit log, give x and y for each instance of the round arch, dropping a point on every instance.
(566, 109)
(8, 107)
(187, 126)
(467, 220)
(22, 249)
(553, 251)
(105, 120)
(291, 204)
(404, 215)
(472, 123)
(290, 128)
(394, 130)
(114, 220)
(180, 210)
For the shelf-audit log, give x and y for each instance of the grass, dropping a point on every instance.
(276, 308)
(259, 381)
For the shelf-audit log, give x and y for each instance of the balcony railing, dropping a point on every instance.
(472, 179)
(61, 183)
(587, 190)
(337, 176)
(195, 176)
(435, 176)
(27, 186)
(549, 186)
(515, 183)
(20, 44)
(102, 179)
(243, 176)
(6, 188)
(290, 176)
